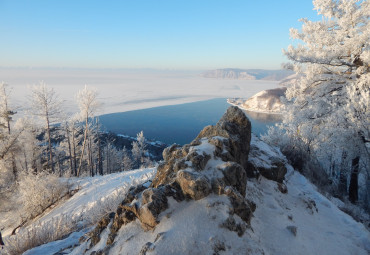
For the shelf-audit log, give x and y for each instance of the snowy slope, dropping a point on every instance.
(96, 196)
(302, 221)
(321, 228)
(266, 101)
(94, 190)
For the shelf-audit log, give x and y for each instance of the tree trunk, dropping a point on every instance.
(353, 185)
(100, 162)
(25, 161)
(69, 150)
(107, 159)
(74, 153)
(1, 240)
(34, 161)
(342, 187)
(14, 166)
(83, 147)
(50, 147)
(89, 157)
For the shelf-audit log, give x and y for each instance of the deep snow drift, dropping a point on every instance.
(190, 217)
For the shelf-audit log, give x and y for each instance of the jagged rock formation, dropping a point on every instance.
(215, 162)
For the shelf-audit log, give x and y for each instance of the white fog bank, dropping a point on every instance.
(127, 90)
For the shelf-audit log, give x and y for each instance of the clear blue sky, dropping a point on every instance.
(160, 34)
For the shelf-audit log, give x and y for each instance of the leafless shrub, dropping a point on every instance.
(40, 233)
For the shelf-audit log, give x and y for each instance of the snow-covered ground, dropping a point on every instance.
(95, 197)
(302, 221)
(95, 190)
(126, 90)
(266, 101)
(321, 228)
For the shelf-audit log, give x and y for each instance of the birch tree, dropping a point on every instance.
(47, 106)
(6, 116)
(88, 104)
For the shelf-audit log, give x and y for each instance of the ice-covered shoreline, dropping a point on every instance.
(267, 101)
(253, 110)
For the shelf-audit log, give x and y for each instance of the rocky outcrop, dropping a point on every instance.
(229, 139)
(216, 162)
(267, 161)
(236, 127)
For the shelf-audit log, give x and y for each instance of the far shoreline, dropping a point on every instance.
(256, 111)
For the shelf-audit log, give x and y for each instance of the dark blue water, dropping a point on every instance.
(177, 123)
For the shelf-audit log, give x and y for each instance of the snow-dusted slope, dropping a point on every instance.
(193, 227)
(301, 221)
(266, 101)
(95, 190)
(96, 196)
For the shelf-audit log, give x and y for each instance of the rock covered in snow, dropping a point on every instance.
(203, 207)
(266, 101)
(266, 160)
(214, 163)
(228, 140)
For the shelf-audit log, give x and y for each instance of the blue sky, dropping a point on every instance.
(159, 34)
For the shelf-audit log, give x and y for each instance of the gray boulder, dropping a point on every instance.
(193, 184)
(147, 209)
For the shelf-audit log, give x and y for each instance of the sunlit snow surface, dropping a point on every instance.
(83, 203)
(126, 90)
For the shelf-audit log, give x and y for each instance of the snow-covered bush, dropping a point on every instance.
(39, 191)
(299, 155)
(41, 233)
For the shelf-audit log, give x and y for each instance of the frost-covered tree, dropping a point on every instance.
(47, 106)
(6, 112)
(29, 154)
(139, 151)
(88, 104)
(112, 158)
(6, 116)
(328, 107)
(127, 163)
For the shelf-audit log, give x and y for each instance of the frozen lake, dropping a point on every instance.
(178, 123)
(121, 90)
(171, 106)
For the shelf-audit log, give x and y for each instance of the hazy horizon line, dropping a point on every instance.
(133, 68)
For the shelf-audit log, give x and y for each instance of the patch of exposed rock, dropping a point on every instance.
(215, 162)
(266, 160)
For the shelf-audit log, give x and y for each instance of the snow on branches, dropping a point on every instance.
(328, 108)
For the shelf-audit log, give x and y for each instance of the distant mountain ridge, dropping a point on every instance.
(247, 74)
